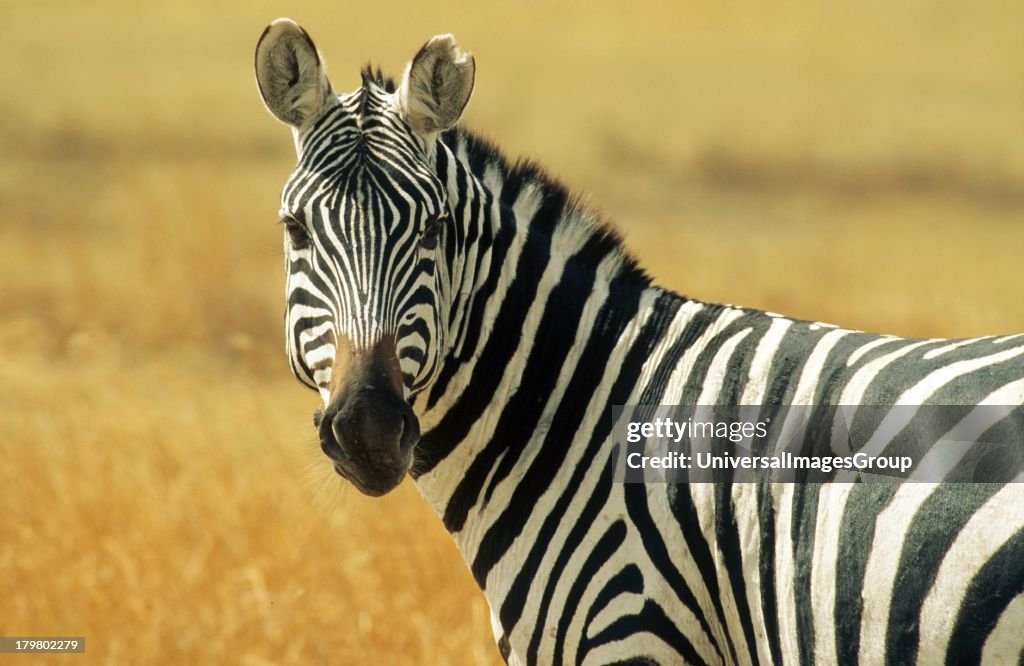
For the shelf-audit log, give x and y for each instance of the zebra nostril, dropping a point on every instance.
(410, 430)
(318, 417)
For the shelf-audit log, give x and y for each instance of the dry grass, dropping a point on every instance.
(162, 492)
(174, 513)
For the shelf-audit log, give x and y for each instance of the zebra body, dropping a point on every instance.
(468, 322)
(521, 436)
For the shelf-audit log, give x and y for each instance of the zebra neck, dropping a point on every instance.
(532, 276)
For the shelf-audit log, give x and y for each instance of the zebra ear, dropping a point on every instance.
(436, 86)
(290, 74)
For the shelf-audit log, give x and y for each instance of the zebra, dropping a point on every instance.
(468, 322)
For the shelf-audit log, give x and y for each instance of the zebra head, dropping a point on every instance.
(364, 215)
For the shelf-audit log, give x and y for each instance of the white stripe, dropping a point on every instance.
(754, 390)
(621, 558)
(810, 378)
(1005, 645)
(939, 351)
(503, 573)
(704, 496)
(642, 644)
(911, 400)
(883, 563)
(502, 495)
(853, 394)
(954, 444)
(988, 529)
(625, 603)
(464, 261)
(682, 560)
(749, 529)
(831, 504)
(791, 436)
(782, 497)
(855, 356)
(528, 203)
(711, 389)
(684, 366)
(569, 574)
(935, 380)
(446, 474)
(760, 365)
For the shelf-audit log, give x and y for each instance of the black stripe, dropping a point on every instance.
(497, 354)
(896, 377)
(685, 512)
(601, 552)
(938, 521)
(635, 496)
(651, 619)
(766, 569)
(788, 363)
(563, 311)
(863, 505)
(513, 606)
(995, 586)
(974, 386)
(735, 375)
(707, 316)
(835, 374)
(728, 538)
(498, 242)
(627, 581)
(803, 519)
(620, 307)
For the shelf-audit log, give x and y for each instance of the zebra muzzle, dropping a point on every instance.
(368, 429)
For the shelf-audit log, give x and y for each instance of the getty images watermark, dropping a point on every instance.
(796, 443)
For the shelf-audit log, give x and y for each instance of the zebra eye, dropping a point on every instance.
(428, 241)
(296, 233)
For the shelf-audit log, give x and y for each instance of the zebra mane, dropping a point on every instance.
(560, 205)
(374, 76)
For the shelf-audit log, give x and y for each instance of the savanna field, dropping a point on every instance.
(162, 491)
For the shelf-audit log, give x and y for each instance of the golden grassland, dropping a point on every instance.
(162, 491)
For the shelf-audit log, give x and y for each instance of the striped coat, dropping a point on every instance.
(466, 321)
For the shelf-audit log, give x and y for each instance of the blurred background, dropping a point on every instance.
(162, 490)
